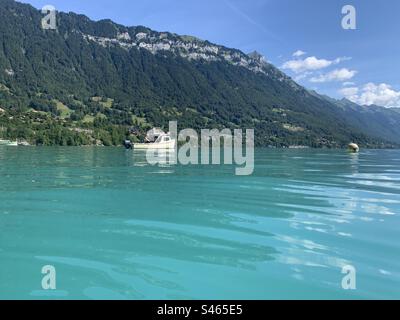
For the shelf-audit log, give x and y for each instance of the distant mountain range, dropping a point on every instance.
(93, 82)
(377, 121)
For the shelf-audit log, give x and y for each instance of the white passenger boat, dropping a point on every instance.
(164, 141)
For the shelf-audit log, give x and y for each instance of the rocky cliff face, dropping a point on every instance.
(190, 48)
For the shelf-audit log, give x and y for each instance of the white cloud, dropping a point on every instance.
(299, 53)
(371, 93)
(350, 93)
(341, 59)
(335, 75)
(310, 64)
(348, 84)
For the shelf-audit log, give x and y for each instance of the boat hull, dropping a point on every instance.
(159, 146)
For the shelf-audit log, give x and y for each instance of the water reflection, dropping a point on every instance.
(159, 157)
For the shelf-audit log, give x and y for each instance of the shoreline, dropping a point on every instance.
(256, 147)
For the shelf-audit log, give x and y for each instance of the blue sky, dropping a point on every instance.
(361, 64)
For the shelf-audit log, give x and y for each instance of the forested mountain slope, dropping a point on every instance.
(89, 82)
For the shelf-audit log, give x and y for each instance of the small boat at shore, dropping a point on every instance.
(4, 142)
(23, 144)
(8, 143)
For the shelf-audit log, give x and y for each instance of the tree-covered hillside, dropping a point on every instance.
(95, 82)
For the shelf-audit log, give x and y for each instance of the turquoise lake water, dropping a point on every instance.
(117, 228)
